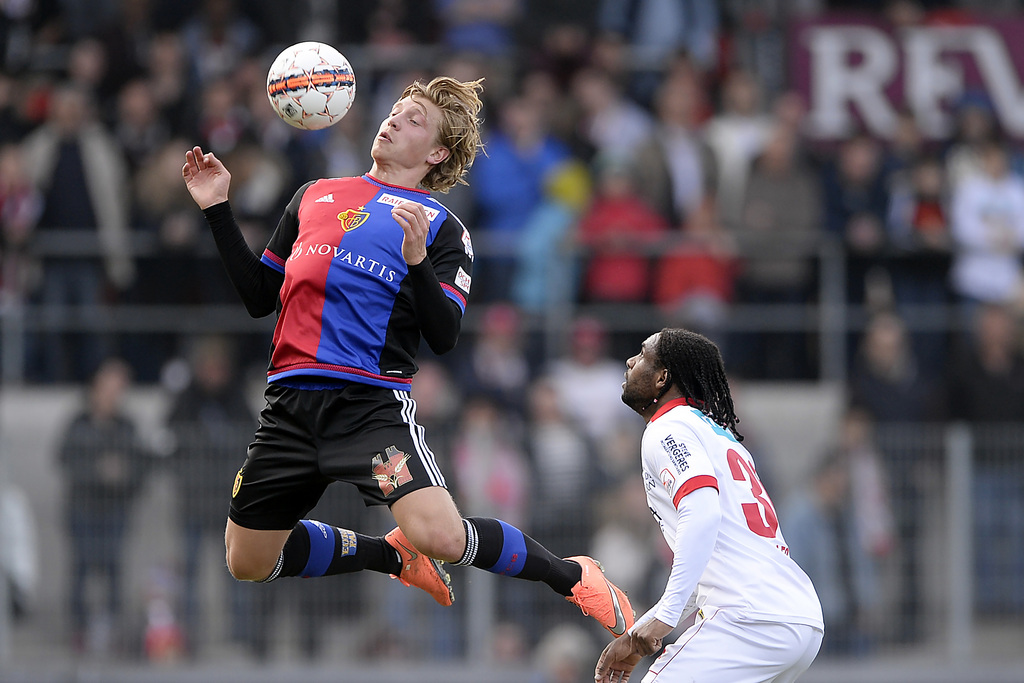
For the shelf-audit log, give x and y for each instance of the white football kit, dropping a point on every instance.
(758, 617)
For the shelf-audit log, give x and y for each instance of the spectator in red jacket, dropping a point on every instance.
(618, 232)
(695, 279)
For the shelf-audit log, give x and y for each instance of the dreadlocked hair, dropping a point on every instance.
(695, 366)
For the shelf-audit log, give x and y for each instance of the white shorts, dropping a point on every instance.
(720, 649)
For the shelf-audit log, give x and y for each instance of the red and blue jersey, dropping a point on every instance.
(347, 307)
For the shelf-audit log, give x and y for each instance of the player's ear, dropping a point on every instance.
(438, 155)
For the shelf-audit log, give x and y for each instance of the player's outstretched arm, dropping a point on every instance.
(206, 178)
(208, 181)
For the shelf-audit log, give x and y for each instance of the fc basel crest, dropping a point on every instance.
(238, 483)
(352, 218)
(391, 473)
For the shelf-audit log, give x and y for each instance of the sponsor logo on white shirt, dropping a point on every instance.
(677, 452)
(463, 280)
(395, 200)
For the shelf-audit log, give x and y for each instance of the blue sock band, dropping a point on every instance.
(513, 552)
(321, 548)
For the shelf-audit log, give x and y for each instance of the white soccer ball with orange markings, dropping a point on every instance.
(311, 85)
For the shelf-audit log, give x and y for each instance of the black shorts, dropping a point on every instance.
(307, 438)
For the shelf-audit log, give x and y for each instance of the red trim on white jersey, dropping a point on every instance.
(681, 401)
(691, 485)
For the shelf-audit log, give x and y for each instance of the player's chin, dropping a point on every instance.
(631, 399)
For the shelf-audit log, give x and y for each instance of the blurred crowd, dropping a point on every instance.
(641, 155)
(637, 152)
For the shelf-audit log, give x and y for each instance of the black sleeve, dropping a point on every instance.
(257, 284)
(439, 318)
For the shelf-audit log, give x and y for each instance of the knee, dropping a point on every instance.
(429, 519)
(442, 542)
(246, 566)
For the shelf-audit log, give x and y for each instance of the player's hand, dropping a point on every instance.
(647, 638)
(412, 216)
(205, 177)
(617, 661)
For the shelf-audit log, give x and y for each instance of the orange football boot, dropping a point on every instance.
(598, 597)
(421, 571)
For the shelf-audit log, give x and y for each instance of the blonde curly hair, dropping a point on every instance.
(459, 128)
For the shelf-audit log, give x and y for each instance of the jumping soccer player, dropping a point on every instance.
(359, 270)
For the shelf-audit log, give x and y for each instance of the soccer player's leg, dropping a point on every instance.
(429, 532)
(406, 476)
(430, 520)
(252, 554)
(500, 548)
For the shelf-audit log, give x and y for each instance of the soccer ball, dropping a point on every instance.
(311, 85)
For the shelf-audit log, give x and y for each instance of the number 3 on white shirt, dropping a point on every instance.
(766, 524)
